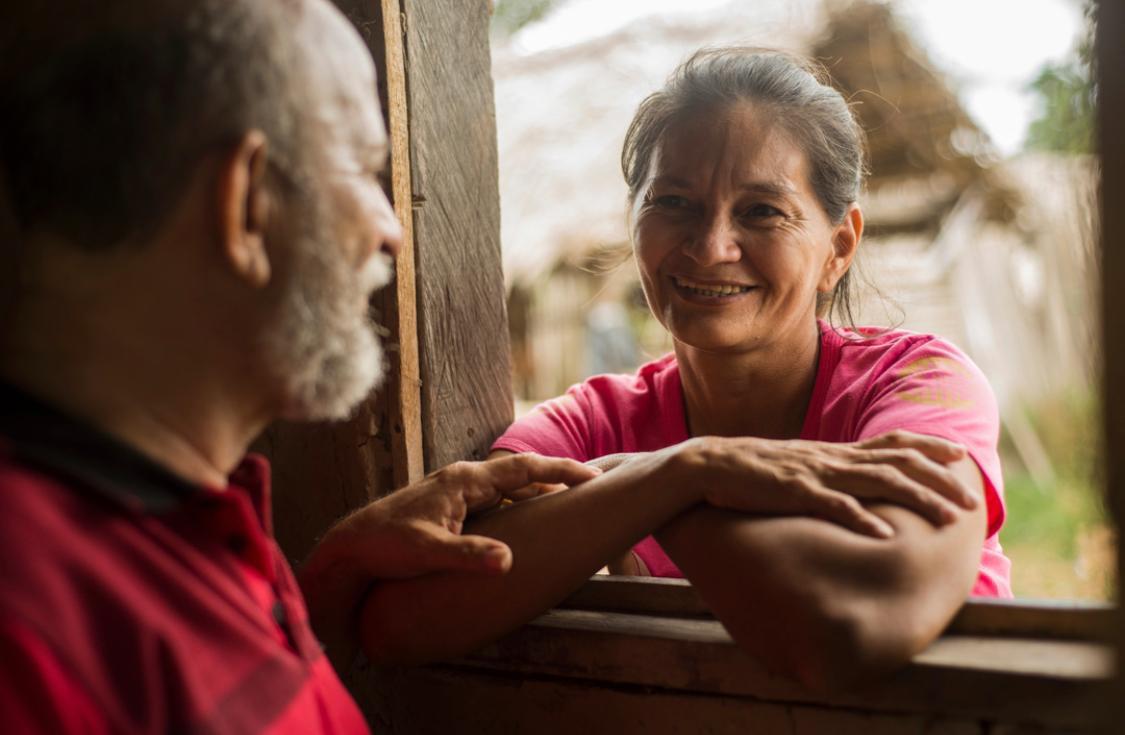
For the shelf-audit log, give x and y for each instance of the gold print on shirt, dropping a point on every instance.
(932, 390)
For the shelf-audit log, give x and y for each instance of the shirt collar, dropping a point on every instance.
(41, 435)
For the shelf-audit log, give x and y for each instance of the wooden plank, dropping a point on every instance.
(406, 390)
(1049, 619)
(1054, 683)
(449, 700)
(1110, 52)
(463, 331)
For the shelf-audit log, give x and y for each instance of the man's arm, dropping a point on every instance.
(821, 604)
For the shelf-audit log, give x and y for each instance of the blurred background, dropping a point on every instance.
(980, 207)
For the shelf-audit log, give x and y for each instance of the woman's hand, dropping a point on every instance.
(828, 480)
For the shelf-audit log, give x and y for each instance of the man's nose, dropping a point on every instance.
(714, 241)
(387, 229)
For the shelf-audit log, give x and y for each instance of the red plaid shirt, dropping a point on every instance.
(133, 602)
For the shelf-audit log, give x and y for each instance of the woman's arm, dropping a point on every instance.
(560, 538)
(823, 605)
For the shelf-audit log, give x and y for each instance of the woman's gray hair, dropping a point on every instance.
(796, 91)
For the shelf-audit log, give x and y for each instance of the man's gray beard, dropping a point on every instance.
(323, 348)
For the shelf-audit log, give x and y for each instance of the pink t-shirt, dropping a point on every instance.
(866, 384)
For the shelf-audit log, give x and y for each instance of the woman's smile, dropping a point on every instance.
(710, 292)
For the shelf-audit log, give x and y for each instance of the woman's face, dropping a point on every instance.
(730, 239)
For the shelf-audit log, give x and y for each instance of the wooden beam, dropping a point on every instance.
(404, 390)
(1110, 49)
(462, 321)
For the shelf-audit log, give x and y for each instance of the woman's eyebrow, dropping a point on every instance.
(774, 188)
(674, 182)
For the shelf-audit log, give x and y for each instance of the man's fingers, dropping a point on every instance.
(450, 552)
(516, 471)
(936, 448)
(533, 491)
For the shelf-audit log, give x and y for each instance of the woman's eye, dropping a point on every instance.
(670, 201)
(762, 211)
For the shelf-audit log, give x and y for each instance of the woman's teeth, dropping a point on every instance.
(710, 290)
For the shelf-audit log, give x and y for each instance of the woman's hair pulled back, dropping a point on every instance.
(795, 91)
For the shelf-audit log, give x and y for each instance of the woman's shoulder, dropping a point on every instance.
(878, 346)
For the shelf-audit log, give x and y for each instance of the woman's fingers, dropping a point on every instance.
(935, 448)
(887, 483)
(932, 475)
(844, 510)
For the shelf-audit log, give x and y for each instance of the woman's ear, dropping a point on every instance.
(244, 208)
(845, 243)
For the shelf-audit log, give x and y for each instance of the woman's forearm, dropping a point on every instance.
(557, 541)
(818, 603)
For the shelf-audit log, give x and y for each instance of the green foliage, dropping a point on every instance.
(1067, 94)
(1059, 537)
(1067, 122)
(511, 15)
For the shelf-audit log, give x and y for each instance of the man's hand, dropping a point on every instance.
(416, 531)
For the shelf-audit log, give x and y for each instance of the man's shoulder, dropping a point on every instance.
(52, 539)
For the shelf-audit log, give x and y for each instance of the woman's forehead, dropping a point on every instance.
(743, 141)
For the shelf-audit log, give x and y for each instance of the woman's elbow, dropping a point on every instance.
(854, 649)
(833, 647)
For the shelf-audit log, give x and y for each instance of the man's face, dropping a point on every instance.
(322, 346)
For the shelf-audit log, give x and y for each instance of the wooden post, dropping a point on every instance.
(463, 329)
(1111, 117)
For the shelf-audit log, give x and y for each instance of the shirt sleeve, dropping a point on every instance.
(557, 428)
(37, 693)
(935, 389)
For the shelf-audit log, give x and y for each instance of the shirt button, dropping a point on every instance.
(279, 615)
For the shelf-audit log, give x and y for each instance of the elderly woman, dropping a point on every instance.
(832, 494)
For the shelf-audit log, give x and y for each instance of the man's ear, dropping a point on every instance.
(845, 243)
(244, 208)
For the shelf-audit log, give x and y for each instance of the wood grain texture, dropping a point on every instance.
(463, 331)
(1110, 49)
(1049, 683)
(406, 389)
(449, 700)
(1046, 619)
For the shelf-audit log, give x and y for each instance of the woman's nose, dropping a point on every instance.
(715, 241)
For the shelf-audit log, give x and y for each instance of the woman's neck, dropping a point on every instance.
(763, 392)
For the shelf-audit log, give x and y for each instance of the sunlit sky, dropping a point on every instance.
(991, 49)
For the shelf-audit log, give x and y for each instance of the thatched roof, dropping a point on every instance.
(562, 114)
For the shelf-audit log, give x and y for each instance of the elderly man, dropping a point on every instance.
(198, 228)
